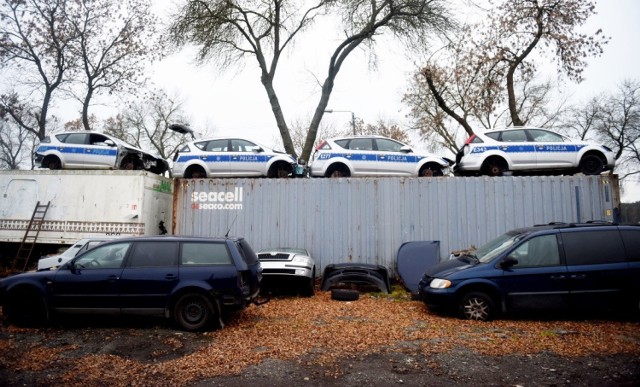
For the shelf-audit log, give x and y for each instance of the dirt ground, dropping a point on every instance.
(378, 340)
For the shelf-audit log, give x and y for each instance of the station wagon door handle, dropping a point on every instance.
(113, 278)
(578, 276)
(171, 277)
(558, 277)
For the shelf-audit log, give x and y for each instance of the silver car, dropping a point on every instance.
(289, 263)
(522, 149)
(230, 157)
(373, 156)
(93, 150)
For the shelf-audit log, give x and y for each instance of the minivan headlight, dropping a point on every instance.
(438, 283)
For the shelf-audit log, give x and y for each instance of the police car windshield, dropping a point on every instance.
(490, 250)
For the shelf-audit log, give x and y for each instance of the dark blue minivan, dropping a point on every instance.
(560, 266)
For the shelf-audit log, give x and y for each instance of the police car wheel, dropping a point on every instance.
(591, 165)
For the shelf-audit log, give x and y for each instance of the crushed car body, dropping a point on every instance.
(93, 150)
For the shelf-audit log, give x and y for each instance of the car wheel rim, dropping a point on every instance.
(476, 309)
(194, 312)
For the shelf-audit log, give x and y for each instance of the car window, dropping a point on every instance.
(631, 239)
(492, 249)
(593, 247)
(544, 136)
(45, 140)
(361, 144)
(76, 138)
(152, 254)
(98, 139)
(388, 145)
(238, 145)
(248, 255)
(492, 135)
(537, 251)
(196, 253)
(186, 148)
(103, 257)
(343, 143)
(514, 136)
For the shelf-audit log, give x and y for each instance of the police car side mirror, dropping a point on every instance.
(258, 149)
(109, 142)
(406, 149)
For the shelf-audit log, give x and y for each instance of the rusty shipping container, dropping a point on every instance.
(367, 219)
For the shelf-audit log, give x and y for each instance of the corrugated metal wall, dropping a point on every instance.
(367, 219)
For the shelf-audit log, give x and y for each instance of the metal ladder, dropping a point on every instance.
(30, 236)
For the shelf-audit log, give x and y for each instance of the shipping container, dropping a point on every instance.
(367, 219)
(84, 204)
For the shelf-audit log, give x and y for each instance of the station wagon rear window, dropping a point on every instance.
(195, 253)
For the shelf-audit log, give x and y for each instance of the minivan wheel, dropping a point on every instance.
(193, 312)
(476, 306)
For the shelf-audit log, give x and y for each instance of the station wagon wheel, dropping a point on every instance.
(128, 164)
(280, 171)
(195, 172)
(52, 162)
(591, 165)
(476, 306)
(339, 171)
(193, 312)
(494, 167)
(27, 310)
(431, 170)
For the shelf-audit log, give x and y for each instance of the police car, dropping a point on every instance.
(521, 149)
(371, 156)
(230, 157)
(93, 150)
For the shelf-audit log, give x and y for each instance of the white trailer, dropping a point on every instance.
(84, 204)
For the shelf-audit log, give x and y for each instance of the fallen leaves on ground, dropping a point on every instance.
(317, 330)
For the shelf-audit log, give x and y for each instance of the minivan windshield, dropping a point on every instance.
(492, 249)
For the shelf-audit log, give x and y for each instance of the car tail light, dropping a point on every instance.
(321, 145)
(470, 139)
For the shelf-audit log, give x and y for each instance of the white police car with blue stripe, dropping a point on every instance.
(373, 156)
(230, 157)
(523, 149)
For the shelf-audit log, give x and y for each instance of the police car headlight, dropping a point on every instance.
(302, 260)
(466, 150)
(438, 283)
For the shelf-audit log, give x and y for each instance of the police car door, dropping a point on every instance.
(100, 152)
(521, 152)
(392, 161)
(247, 159)
(215, 155)
(362, 156)
(73, 149)
(552, 151)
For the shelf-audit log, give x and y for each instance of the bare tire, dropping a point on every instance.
(476, 306)
(344, 294)
(494, 167)
(193, 312)
(591, 165)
